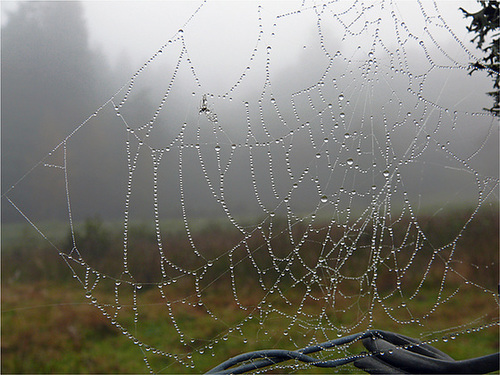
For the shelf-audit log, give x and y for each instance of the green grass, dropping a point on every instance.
(49, 326)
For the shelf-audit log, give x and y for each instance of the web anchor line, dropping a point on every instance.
(389, 353)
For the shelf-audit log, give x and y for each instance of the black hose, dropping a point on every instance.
(389, 353)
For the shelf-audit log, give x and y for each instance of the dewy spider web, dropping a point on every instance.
(345, 121)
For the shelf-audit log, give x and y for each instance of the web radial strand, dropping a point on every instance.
(295, 186)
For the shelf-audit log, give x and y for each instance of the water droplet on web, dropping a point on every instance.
(350, 162)
(341, 97)
(342, 115)
(318, 155)
(347, 135)
(217, 148)
(386, 173)
(324, 199)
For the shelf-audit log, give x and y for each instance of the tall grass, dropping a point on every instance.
(49, 326)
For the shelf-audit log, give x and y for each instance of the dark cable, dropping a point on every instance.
(389, 353)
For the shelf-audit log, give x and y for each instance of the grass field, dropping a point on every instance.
(49, 326)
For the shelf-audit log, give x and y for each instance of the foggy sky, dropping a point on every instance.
(222, 39)
(136, 29)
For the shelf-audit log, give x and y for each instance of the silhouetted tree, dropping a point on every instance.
(484, 22)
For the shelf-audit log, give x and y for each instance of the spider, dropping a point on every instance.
(204, 104)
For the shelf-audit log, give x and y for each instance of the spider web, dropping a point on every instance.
(317, 153)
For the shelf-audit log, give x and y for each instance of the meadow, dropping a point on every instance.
(48, 326)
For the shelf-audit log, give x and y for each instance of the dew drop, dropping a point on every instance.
(217, 148)
(341, 97)
(342, 115)
(350, 162)
(386, 173)
(324, 199)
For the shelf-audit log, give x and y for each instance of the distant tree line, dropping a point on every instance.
(53, 79)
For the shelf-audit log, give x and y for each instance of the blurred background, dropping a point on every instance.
(62, 60)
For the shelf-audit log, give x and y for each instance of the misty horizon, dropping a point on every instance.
(250, 115)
